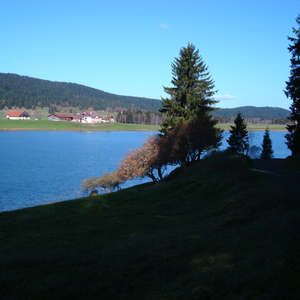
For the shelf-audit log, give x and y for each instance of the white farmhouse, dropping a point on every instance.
(92, 117)
(17, 115)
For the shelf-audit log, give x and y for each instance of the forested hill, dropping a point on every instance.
(265, 112)
(28, 92)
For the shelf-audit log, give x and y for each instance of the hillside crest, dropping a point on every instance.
(28, 92)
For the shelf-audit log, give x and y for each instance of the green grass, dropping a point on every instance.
(52, 125)
(218, 230)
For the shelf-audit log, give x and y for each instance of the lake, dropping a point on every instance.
(40, 167)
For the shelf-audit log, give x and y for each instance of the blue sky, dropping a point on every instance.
(127, 47)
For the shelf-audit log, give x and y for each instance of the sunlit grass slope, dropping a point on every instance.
(219, 230)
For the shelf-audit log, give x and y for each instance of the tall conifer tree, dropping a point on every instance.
(238, 140)
(267, 151)
(192, 93)
(188, 124)
(293, 92)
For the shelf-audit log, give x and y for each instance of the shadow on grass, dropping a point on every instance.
(218, 230)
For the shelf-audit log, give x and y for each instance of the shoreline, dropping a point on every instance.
(45, 125)
(261, 129)
(74, 129)
(111, 130)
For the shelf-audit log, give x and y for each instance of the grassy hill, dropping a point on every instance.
(265, 112)
(28, 92)
(218, 230)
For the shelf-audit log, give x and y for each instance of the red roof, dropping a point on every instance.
(15, 113)
(63, 116)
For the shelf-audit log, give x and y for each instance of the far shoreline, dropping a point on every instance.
(76, 130)
(45, 125)
(124, 129)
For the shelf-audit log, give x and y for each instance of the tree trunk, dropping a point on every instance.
(151, 175)
(159, 173)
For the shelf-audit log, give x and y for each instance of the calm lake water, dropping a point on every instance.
(39, 167)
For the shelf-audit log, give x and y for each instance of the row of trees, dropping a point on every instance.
(181, 146)
(139, 117)
(188, 129)
(266, 121)
(156, 118)
(238, 141)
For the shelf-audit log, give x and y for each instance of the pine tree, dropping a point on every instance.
(192, 91)
(238, 140)
(267, 151)
(293, 92)
(187, 120)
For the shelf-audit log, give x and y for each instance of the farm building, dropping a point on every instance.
(92, 117)
(60, 117)
(17, 115)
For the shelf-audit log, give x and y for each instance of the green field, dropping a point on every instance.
(51, 125)
(218, 230)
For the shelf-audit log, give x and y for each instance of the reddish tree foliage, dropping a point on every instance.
(189, 139)
(150, 160)
(182, 145)
(144, 161)
(107, 182)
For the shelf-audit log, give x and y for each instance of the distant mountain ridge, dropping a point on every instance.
(28, 92)
(265, 112)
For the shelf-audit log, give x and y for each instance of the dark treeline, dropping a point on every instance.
(254, 120)
(153, 118)
(253, 112)
(27, 92)
(139, 117)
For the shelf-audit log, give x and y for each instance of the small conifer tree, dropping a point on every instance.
(238, 140)
(267, 151)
